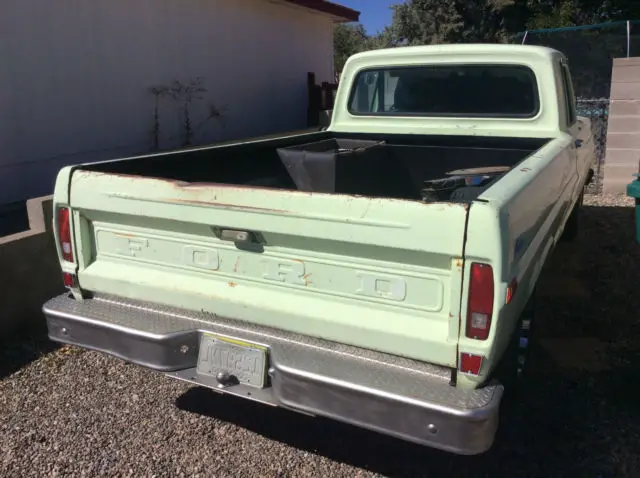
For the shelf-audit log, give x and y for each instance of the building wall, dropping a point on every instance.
(75, 77)
(623, 135)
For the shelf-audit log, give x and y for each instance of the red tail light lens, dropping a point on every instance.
(64, 232)
(68, 279)
(480, 307)
(470, 363)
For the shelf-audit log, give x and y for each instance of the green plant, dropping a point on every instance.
(158, 92)
(185, 94)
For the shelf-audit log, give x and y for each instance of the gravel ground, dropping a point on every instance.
(69, 412)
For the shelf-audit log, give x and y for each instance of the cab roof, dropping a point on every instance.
(485, 50)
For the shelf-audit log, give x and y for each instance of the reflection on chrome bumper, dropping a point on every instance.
(392, 395)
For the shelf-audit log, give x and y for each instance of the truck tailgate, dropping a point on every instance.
(378, 273)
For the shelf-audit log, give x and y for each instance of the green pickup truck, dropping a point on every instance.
(376, 272)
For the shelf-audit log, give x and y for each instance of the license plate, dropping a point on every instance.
(246, 362)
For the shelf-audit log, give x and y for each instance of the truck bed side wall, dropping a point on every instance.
(513, 228)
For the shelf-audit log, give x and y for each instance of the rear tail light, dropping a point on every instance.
(480, 307)
(68, 279)
(470, 363)
(64, 233)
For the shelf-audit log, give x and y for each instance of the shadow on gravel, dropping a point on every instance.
(579, 415)
(21, 351)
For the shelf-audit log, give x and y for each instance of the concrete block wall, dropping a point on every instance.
(623, 136)
(30, 272)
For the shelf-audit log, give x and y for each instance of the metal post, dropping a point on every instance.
(524, 38)
(628, 38)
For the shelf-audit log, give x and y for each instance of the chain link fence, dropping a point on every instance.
(590, 50)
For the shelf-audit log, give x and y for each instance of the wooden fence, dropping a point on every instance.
(320, 97)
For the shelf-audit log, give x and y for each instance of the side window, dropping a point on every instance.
(569, 95)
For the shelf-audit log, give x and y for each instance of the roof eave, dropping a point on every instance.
(338, 13)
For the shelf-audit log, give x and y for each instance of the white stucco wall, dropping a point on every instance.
(75, 76)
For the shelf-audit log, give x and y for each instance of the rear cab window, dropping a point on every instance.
(502, 91)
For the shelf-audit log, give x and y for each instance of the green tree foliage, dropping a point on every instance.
(550, 14)
(348, 39)
(563, 13)
(423, 22)
(420, 22)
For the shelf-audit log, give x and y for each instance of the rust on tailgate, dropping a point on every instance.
(126, 235)
(239, 187)
(197, 187)
(230, 206)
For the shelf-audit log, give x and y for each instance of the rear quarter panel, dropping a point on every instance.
(513, 227)
(61, 199)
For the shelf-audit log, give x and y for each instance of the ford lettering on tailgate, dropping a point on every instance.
(360, 280)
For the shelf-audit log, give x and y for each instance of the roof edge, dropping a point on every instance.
(343, 14)
(444, 49)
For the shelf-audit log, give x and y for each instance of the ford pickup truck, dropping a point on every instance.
(378, 271)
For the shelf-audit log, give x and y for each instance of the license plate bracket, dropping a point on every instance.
(244, 361)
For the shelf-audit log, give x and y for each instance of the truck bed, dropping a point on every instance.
(398, 168)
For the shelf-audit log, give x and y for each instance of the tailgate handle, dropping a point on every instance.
(235, 235)
(246, 240)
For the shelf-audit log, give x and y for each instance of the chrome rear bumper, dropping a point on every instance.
(392, 395)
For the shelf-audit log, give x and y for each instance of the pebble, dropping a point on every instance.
(70, 412)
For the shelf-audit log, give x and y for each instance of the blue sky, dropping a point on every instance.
(375, 14)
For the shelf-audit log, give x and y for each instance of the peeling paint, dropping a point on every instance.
(224, 205)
